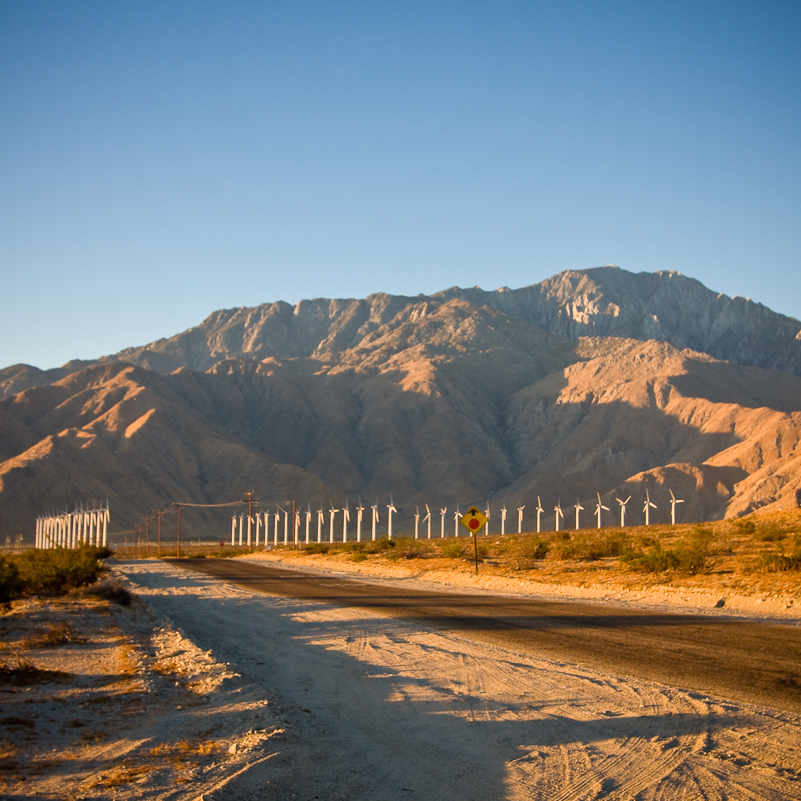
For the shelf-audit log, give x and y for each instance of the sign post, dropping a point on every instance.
(474, 520)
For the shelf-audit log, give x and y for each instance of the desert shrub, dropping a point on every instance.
(591, 545)
(317, 547)
(689, 554)
(10, 582)
(452, 549)
(56, 571)
(405, 548)
(358, 556)
(778, 561)
(111, 590)
(524, 550)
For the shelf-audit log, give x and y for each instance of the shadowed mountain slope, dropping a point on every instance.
(595, 381)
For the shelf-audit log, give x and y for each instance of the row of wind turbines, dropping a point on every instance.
(247, 529)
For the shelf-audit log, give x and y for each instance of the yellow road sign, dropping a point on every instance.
(473, 520)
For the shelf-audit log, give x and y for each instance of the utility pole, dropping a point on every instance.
(250, 519)
(180, 512)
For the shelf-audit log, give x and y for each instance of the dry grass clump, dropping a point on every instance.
(54, 634)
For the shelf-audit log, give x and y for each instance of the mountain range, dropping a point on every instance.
(599, 381)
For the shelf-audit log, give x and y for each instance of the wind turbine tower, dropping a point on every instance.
(540, 511)
(359, 515)
(375, 517)
(390, 509)
(578, 507)
(559, 513)
(332, 514)
(673, 501)
(416, 522)
(345, 520)
(442, 522)
(598, 508)
(623, 511)
(647, 508)
(520, 519)
(456, 517)
(427, 519)
(503, 519)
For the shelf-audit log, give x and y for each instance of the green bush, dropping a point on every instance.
(56, 571)
(689, 554)
(587, 546)
(778, 561)
(452, 550)
(10, 583)
(317, 547)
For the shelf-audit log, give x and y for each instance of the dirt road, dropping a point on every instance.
(387, 708)
(740, 660)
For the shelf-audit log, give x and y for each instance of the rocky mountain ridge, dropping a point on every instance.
(586, 383)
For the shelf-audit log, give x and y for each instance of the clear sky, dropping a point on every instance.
(163, 159)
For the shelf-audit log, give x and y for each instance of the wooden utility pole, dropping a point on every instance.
(180, 514)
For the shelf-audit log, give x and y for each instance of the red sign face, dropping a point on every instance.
(474, 524)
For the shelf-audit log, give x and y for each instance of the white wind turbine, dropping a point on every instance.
(332, 514)
(276, 521)
(579, 508)
(456, 518)
(416, 522)
(647, 507)
(233, 530)
(286, 527)
(375, 517)
(442, 522)
(540, 510)
(308, 521)
(359, 515)
(559, 513)
(487, 515)
(520, 519)
(673, 501)
(345, 520)
(427, 519)
(598, 508)
(390, 509)
(623, 510)
(320, 519)
(503, 519)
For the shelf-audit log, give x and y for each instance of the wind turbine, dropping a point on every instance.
(442, 522)
(233, 530)
(332, 515)
(647, 508)
(540, 510)
(320, 520)
(520, 519)
(487, 515)
(579, 508)
(559, 513)
(598, 507)
(308, 522)
(375, 517)
(345, 519)
(623, 510)
(286, 527)
(503, 519)
(456, 518)
(359, 514)
(673, 501)
(427, 519)
(390, 509)
(416, 521)
(276, 518)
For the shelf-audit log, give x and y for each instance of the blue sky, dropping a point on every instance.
(160, 160)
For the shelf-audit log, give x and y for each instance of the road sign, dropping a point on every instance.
(473, 520)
